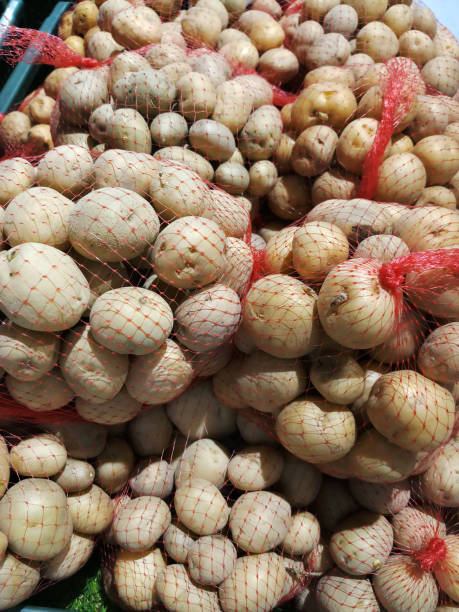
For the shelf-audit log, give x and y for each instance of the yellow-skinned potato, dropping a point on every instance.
(197, 96)
(102, 46)
(442, 73)
(402, 179)
(315, 430)
(114, 465)
(314, 150)
(317, 9)
(264, 31)
(438, 357)
(136, 27)
(38, 456)
(40, 109)
(84, 17)
(201, 26)
(169, 129)
(260, 135)
(278, 66)
(437, 196)
(289, 197)
(316, 248)
(338, 378)
(75, 476)
(14, 130)
(428, 227)
(65, 26)
(334, 184)
(323, 103)
(439, 154)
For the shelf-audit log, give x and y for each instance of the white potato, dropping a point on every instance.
(50, 392)
(197, 413)
(178, 541)
(34, 517)
(317, 247)
(126, 169)
(383, 498)
(135, 27)
(119, 409)
(179, 594)
(134, 576)
(27, 354)
(300, 482)
(92, 371)
(152, 477)
(150, 432)
(68, 169)
(303, 534)
(52, 274)
(38, 456)
(338, 378)
(208, 318)
(229, 213)
(259, 521)
(141, 522)
(169, 129)
(81, 93)
(339, 592)
(149, 91)
(82, 440)
(75, 476)
(16, 175)
(114, 465)
(260, 135)
(239, 265)
(159, 377)
(255, 468)
(112, 224)
(201, 507)
(19, 579)
(211, 559)
(91, 510)
(185, 156)
(69, 561)
(189, 252)
(205, 459)
(439, 482)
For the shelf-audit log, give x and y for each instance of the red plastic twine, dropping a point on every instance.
(400, 87)
(392, 274)
(432, 554)
(35, 47)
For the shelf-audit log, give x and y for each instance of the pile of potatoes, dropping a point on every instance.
(262, 411)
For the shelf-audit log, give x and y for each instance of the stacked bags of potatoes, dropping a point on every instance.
(253, 328)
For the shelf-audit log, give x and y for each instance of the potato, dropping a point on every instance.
(354, 144)
(135, 574)
(123, 222)
(339, 592)
(201, 507)
(91, 510)
(71, 559)
(176, 259)
(341, 19)
(262, 177)
(150, 432)
(232, 177)
(75, 476)
(65, 25)
(213, 140)
(316, 248)
(299, 482)
(338, 378)
(211, 559)
(91, 371)
(81, 93)
(437, 196)
(102, 46)
(49, 392)
(314, 150)
(414, 528)
(431, 118)
(19, 579)
(178, 593)
(232, 106)
(53, 82)
(332, 184)
(178, 541)
(40, 510)
(438, 483)
(375, 459)
(136, 27)
(259, 521)
(152, 477)
(331, 74)
(159, 377)
(84, 16)
(278, 66)
(149, 91)
(302, 536)
(385, 248)
(114, 465)
(169, 129)
(127, 129)
(14, 130)
(446, 574)
(213, 65)
(208, 318)
(327, 50)
(140, 523)
(196, 162)
(198, 413)
(211, 362)
(81, 440)
(289, 198)
(260, 135)
(252, 581)
(27, 355)
(204, 459)
(378, 41)
(264, 31)
(317, 9)
(16, 175)
(382, 498)
(401, 347)
(266, 383)
(40, 109)
(278, 331)
(121, 325)
(255, 468)
(241, 51)
(303, 36)
(333, 503)
(438, 356)
(427, 227)
(415, 587)
(402, 178)
(434, 416)
(126, 169)
(196, 95)
(362, 543)
(417, 46)
(38, 456)
(439, 156)
(323, 103)
(223, 385)
(176, 70)
(231, 214)
(316, 431)
(201, 26)
(251, 432)
(164, 53)
(115, 411)
(39, 215)
(39, 139)
(126, 62)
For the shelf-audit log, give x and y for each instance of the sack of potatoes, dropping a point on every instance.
(229, 286)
